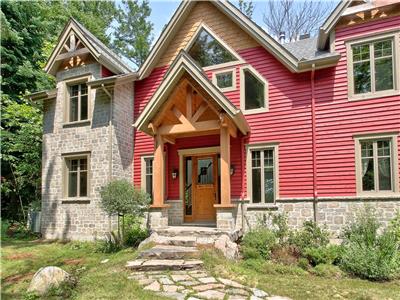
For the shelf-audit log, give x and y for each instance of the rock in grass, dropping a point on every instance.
(48, 277)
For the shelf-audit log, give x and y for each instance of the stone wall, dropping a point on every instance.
(84, 219)
(175, 212)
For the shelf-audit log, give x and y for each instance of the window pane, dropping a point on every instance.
(73, 164)
(73, 110)
(269, 185)
(84, 107)
(74, 90)
(188, 187)
(360, 52)
(149, 185)
(83, 89)
(254, 91)
(268, 158)
(224, 80)
(256, 185)
(383, 48)
(255, 159)
(72, 184)
(362, 77)
(383, 74)
(83, 184)
(383, 148)
(83, 164)
(368, 174)
(385, 174)
(367, 149)
(207, 51)
(205, 171)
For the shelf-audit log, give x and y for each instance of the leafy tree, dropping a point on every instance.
(246, 7)
(295, 17)
(120, 197)
(133, 33)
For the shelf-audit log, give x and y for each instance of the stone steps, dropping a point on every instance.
(169, 252)
(163, 264)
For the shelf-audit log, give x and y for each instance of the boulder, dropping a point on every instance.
(228, 248)
(48, 277)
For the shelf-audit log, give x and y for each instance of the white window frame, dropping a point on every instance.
(143, 159)
(225, 71)
(65, 180)
(243, 94)
(393, 159)
(238, 60)
(67, 86)
(370, 39)
(262, 147)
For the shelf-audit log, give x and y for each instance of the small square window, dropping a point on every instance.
(225, 80)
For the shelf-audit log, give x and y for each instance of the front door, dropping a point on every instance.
(204, 188)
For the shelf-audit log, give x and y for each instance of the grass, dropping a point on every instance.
(21, 259)
(294, 282)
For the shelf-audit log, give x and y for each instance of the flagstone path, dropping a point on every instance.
(196, 285)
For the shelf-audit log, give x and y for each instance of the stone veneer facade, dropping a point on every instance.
(84, 219)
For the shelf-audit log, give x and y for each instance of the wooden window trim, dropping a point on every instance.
(394, 163)
(238, 60)
(371, 38)
(65, 182)
(67, 84)
(243, 94)
(143, 171)
(260, 147)
(225, 71)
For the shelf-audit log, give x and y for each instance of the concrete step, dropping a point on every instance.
(192, 231)
(169, 252)
(163, 264)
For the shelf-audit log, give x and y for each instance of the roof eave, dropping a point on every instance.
(319, 63)
(43, 95)
(113, 80)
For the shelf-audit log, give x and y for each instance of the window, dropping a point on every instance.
(253, 91)
(225, 80)
(78, 102)
(76, 176)
(206, 50)
(147, 174)
(262, 174)
(372, 65)
(376, 164)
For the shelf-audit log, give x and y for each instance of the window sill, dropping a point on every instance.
(83, 200)
(368, 96)
(77, 123)
(378, 195)
(261, 206)
(255, 111)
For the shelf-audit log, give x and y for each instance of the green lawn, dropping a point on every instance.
(21, 259)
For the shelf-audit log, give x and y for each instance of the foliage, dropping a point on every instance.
(295, 17)
(368, 254)
(281, 227)
(330, 254)
(246, 7)
(303, 263)
(16, 230)
(309, 236)
(285, 254)
(135, 233)
(133, 33)
(258, 243)
(394, 225)
(111, 244)
(327, 270)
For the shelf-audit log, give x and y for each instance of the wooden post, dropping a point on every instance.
(158, 168)
(225, 167)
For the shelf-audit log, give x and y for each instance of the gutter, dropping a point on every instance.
(314, 146)
(43, 95)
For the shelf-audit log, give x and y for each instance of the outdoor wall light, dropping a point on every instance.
(232, 169)
(174, 174)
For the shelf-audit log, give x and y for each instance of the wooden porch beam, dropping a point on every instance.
(203, 107)
(169, 139)
(158, 167)
(181, 117)
(189, 101)
(67, 55)
(225, 168)
(187, 128)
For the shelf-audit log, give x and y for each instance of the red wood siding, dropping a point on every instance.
(106, 72)
(338, 119)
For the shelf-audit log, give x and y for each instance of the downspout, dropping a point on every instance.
(110, 133)
(314, 146)
(242, 167)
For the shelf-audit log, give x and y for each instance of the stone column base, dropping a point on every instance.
(158, 217)
(225, 219)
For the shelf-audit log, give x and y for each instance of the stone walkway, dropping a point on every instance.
(197, 284)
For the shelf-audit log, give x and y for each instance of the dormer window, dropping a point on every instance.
(207, 50)
(225, 79)
(78, 102)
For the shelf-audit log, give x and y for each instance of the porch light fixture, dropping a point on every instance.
(232, 171)
(174, 174)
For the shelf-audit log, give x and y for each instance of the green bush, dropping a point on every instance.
(309, 236)
(330, 254)
(111, 244)
(366, 253)
(258, 243)
(303, 263)
(327, 270)
(394, 225)
(281, 227)
(134, 235)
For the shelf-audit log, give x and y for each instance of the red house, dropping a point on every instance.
(231, 125)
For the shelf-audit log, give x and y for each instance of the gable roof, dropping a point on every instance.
(306, 49)
(283, 54)
(98, 50)
(182, 64)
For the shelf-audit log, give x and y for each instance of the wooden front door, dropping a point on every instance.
(204, 188)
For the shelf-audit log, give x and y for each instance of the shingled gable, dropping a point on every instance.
(184, 64)
(257, 33)
(91, 44)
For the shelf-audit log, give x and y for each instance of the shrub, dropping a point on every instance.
(330, 254)
(327, 270)
(258, 243)
(394, 225)
(286, 254)
(135, 235)
(111, 244)
(19, 231)
(281, 227)
(309, 236)
(303, 263)
(366, 253)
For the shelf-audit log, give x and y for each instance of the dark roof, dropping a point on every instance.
(307, 49)
(111, 56)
